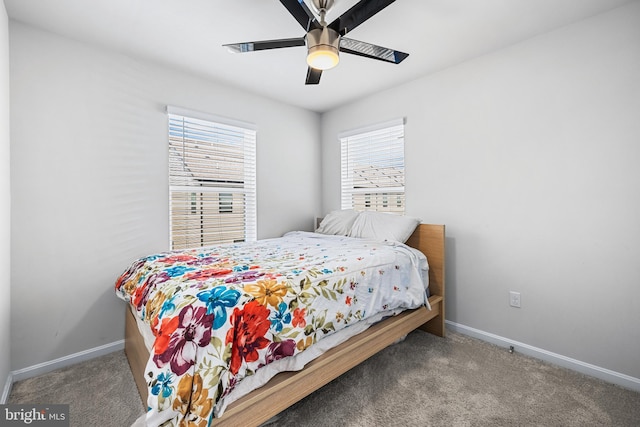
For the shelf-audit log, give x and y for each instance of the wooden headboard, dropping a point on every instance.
(430, 240)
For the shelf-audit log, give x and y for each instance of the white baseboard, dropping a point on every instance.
(7, 389)
(607, 375)
(63, 362)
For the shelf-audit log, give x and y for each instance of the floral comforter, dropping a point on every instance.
(220, 313)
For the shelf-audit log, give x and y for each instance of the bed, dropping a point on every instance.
(285, 388)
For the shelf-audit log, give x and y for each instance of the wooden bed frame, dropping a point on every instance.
(287, 388)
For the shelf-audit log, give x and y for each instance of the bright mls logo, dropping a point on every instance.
(35, 415)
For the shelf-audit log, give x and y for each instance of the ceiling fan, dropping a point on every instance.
(325, 41)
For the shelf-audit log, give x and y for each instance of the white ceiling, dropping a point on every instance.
(189, 34)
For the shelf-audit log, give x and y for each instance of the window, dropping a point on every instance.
(373, 168)
(212, 180)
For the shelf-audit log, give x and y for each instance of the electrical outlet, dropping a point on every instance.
(514, 299)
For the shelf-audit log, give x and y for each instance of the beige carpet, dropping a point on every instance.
(100, 392)
(422, 381)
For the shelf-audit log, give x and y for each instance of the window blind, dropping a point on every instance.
(212, 181)
(372, 168)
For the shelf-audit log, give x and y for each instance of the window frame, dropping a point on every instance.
(213, 138)
(372, 165)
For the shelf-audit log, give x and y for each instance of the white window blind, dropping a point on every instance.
(373, 168)
(212, 180)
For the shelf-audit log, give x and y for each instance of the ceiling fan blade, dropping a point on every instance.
(372, 51)
(264, 45)
(359, 13)
(313, 76)
(302, 14)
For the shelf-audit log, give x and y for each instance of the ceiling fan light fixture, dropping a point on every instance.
(322, 57)
(322, 48)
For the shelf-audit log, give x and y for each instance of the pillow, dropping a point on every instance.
(383, 226)
(338, 222)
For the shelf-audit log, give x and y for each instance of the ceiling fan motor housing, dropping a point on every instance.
(322, 42)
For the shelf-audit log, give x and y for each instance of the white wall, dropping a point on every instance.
(5, 200)
(530, 157)
(89, 181)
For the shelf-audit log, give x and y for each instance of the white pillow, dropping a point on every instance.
(383, 226)
(338, 222)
